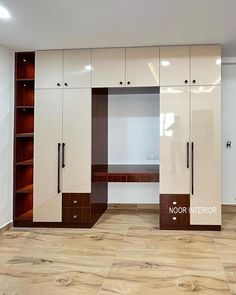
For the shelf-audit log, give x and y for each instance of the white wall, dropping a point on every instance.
(6, 135)
(133, 138)
(229, 131)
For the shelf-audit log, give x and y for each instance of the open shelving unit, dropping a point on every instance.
(24, 137)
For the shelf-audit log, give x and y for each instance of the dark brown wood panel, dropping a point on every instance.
(126, 173)
(76, 215)
(25, 93)
(174, 211)
(99, 195)
(23, 139)
(75, 200)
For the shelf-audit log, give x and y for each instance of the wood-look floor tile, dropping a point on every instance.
(164, 283)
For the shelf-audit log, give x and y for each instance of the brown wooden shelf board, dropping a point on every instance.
(25, 163)
(28, 215)
(25, 79)
(25, 107)
(20, 135)
(25, 189)
(126, 173)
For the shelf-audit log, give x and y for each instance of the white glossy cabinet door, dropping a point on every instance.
(142, 66)
(77, 139)
(206, 65)
(48, 69)
(174, 136)
(206, 138)
(47, 202)
(77, 68)
(108, 67)
(174, 65)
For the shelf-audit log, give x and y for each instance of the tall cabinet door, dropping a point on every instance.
(77, 68)
(47, 203)
(206, 160)
(174, 65)
(206, 65)
(142, 66)
(108, 67)
(77, 140)
(48, 69)
(174, 139)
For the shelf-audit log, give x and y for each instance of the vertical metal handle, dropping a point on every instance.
(187, 154)
(192, 168)
(63, 155)
(58, 168)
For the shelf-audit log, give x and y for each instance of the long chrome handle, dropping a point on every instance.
(187, 154)
(58, 168)
(192, 168)
(63, 155)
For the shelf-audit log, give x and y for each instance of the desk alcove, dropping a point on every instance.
(125, 139)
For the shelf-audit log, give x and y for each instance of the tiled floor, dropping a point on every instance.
(125, 253)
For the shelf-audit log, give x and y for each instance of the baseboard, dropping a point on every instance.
(6, 227)
(132, 206)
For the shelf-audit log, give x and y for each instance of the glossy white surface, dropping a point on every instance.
(47, 203)
(142, 66)
(206, 136)
(174, 135)
(174, 65)
(228, 133)
(108, 67)
(6, 134)
(77, 68)
(48, 69)
(77, 139)
(206, 64)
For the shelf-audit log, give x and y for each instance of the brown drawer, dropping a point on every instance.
(169, 219)
(75, 200)
(76, 215)
(170, 201)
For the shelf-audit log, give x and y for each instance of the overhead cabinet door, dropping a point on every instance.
(174, 140)
(48, 69)
(77, 68)
(206, 65)
(174, 65)
(77, 140)
(108, 67)
(47, 203)
(206, 154)
(142, 66)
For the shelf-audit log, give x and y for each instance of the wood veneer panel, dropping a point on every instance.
(24, 121)
(25, 65)
(25, 93)
(99, 194)
(75, 200)
(24, 149)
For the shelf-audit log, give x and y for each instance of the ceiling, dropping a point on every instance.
(54, 24)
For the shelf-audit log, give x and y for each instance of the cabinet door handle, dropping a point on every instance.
(194, 81)
(128, 82)
(187, 154)
(58, 168)
(186, 81)
(63, 155)
(66, 84)
(192, 168)
(58, 84)
(121, 82)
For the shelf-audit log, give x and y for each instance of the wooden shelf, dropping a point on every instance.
(25, 107)
(25, 163)
(24, 79)
(125, 173)
(21, 135)
(28, 215)
(25, 189)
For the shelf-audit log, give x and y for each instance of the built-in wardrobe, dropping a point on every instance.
(61, 159)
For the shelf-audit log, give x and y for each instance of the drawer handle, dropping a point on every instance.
(75, 216)
(75, 201)
(174, 203)
(174, 218)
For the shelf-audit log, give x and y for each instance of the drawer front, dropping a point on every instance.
(75, 200)
(170, 201)
(76, 215)
(174, 211)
